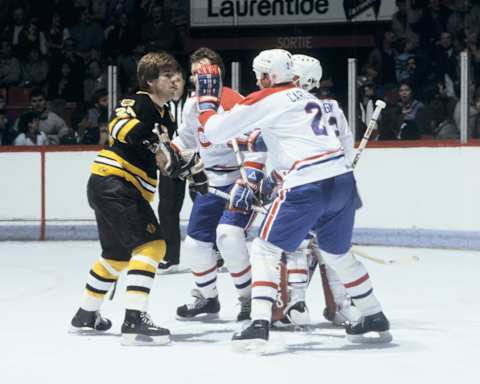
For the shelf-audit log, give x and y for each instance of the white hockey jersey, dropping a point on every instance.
(221, 165)
(301, 132)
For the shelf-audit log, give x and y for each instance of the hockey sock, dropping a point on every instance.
(141, 272)
(356, 280)
(202, 260)
(102, 276)
(232, 245)
(265, 262)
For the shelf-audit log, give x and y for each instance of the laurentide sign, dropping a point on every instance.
(223, 13)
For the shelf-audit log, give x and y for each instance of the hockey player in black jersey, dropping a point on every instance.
(120, 189)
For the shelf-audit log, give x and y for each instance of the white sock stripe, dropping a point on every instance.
(145, 259)
(264, 291)
(108, 267)
(97, 284)
(136, 301)
(139, 281)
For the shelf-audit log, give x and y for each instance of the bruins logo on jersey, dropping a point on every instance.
(151, 228)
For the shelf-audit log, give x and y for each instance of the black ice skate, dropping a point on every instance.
(245, 308)
(201, 309)
(377, 323)
(252, 337)
(89, 322)
(139, 329)
(167, 266)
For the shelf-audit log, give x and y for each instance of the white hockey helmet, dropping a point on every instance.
(308, 70)
(276, 63)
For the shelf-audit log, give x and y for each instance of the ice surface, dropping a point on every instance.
(433, 306)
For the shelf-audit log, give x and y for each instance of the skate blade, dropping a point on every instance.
(371, 338)
(257, 346)
(133, 339)
(85, 331)
(204, 317)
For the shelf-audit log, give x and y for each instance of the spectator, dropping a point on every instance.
(127, 69)
(404, 19)
(98, 114)
(30, 37)
(98, 10)
(6, 133)
(96, 79)
(119, 37)
(57, 33)
(65, 87)
(86, 133)
(445, 57)
(367, 97)
(160, 34)
(12, 31)
(28, 128)
(405, 120)
(472, 46)
(34, 69)
(432, 23)
(405, 47)
(441, 109)
(380, 64)
(118, 7)
(50, 123)
(10, 72)
(473, 122)
(464, 16)
(87, 33)
(75, 61)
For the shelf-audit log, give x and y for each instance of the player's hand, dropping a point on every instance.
(208, 87)
(198, 183)
(267, 190)
(241, 197)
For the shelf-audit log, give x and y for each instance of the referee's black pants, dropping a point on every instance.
(171, 194)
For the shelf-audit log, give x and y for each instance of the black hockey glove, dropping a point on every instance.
(198, 183)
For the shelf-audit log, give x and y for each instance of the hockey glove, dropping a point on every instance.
(208, 88)
(254, 172)
(198, 183)
(177, 164)
(267, 190)
(241, 197)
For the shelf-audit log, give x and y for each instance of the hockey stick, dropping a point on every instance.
(226, 196)
(380, 260)
(379, 105)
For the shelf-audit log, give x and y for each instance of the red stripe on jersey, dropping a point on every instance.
(265, 284)
(301, 271)
(253, 164)
(263, 93)
(239, 274)
(205, 272)
(271, 215)
(357, 282)
(229, 98)
(315, 157)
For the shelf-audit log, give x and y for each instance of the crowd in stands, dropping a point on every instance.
(58, 51)
(415, 67)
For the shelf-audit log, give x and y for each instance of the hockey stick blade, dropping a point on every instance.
(398, 260)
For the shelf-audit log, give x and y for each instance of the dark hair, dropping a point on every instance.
(37, 92)
(152, 65)
(25, 119)
(78, 114)
(210, 54)
(98, 94)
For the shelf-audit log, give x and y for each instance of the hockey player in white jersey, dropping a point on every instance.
(319, 190)
(209, 221)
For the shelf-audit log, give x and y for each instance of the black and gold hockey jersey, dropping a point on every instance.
(127, 154)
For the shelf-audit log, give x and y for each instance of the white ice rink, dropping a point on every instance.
(433, 306)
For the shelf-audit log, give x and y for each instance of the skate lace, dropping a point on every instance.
(146, 319)
(198, 303)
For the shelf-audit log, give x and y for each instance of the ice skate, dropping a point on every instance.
(253, 337)
(369, 329)
(245, 308)
(167, 266)
(201, 309)
(89, 322)
(139, 329)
